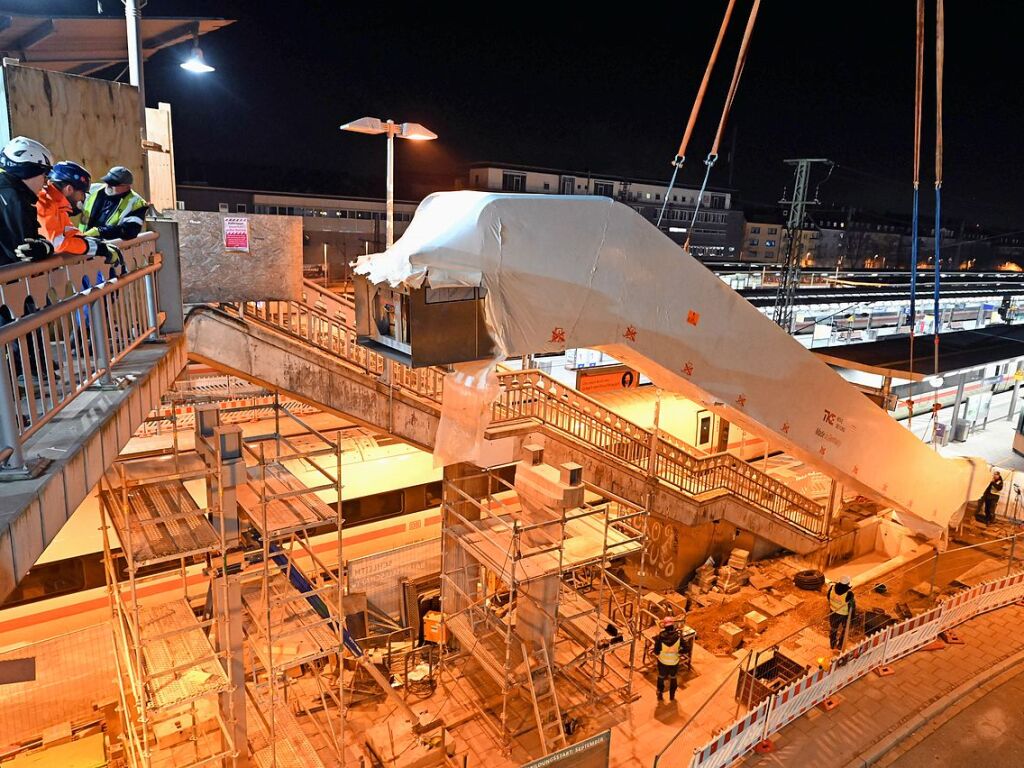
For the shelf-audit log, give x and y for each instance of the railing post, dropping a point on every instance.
(9, 436)
(101, 353)
(149, 281)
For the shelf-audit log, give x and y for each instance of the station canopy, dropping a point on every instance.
(83, 45)
(958, 351)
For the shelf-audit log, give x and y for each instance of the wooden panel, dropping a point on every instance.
(92, 122)
(162, 190)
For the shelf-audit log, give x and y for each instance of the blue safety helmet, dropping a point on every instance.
(67, 172)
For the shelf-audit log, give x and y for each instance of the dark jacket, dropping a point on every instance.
(667, 636)
(127, 229)
(994, 488)
(17, 216)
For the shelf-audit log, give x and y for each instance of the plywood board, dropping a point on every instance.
(272, 269)
(92, 122)
(162, 187)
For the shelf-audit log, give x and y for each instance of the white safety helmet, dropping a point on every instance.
(24, 158)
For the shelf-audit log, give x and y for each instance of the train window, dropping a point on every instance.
(433, 494)
(49, 580)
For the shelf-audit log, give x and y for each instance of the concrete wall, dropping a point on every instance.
(272, 269)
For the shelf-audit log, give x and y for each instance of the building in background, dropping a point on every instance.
(717, 232)
(335, 230)
(764, 236)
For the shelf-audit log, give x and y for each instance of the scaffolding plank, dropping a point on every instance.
(154, 535)
(285, 515)
(291, 746)
(178, 661)
(298, 633)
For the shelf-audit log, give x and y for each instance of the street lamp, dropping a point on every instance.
(412, 131)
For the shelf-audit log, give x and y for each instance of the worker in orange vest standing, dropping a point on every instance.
(60, 199)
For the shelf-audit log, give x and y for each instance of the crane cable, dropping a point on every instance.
(918, 100)
(709, 161)
(940, 55)
(680, 157)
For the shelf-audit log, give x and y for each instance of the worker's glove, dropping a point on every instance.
(92, 232)
(34, 249)
(111, 253)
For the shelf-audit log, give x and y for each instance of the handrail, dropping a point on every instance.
(51, 355)
(12, 272)
(534, 394)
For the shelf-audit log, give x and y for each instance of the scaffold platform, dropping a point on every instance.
(298, 634)
(162, 522)
(177, 658)
(290, 748)
(291, 506)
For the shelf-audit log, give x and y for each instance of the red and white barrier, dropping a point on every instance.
(735, 742)
(907, 636)
(859, 660)
(789, 703)
(899, 640)
(1006, 590)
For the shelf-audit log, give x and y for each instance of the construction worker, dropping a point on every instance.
(991, 497)
(841, 608)
(24, 164)
(667, 646)
(113, 210)
(60, 199)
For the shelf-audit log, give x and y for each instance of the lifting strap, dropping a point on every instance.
(680, 158)
(940, 55)
(711, 159)
(918, 99)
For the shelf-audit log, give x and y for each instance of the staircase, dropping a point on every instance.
(409, 407)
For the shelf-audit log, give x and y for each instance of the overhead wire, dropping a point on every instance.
(940, 28)
(680, 157)
(918, 101)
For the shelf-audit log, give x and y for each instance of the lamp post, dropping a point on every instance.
(412, 131)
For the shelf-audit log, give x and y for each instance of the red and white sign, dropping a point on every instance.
(236, 234)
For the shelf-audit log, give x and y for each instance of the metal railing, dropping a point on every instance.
(325, 320)
(64, 324)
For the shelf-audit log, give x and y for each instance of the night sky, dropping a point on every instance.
(547, 85)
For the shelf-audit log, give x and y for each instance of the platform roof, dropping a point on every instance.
(958, 350)
(81, 45)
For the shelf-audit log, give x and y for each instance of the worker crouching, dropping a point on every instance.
(667, 646)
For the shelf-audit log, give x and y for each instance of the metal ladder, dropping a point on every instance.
(541, 685)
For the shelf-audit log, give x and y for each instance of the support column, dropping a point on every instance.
(1016, 390)
(955, 418)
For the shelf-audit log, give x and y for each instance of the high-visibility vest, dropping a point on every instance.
(670, 653)
(130, 202)
(838, 603)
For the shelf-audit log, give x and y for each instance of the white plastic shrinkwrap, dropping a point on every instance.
(465, 412)
(578, 271)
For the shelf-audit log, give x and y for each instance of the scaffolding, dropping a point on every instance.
(171, 677)
(498, 568)
(292, 599)
(245, 659)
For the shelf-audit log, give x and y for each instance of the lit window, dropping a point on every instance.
(755, 230)
(753, 241)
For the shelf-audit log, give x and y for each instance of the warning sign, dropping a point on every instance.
(607, 379)
(236, 234)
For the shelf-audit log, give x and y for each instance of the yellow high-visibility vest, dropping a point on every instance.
(670, 653)
(130, 202)
(838, 603)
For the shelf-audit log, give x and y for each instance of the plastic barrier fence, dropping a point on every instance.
(898, 640)
(736, 741)
(907, 636)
